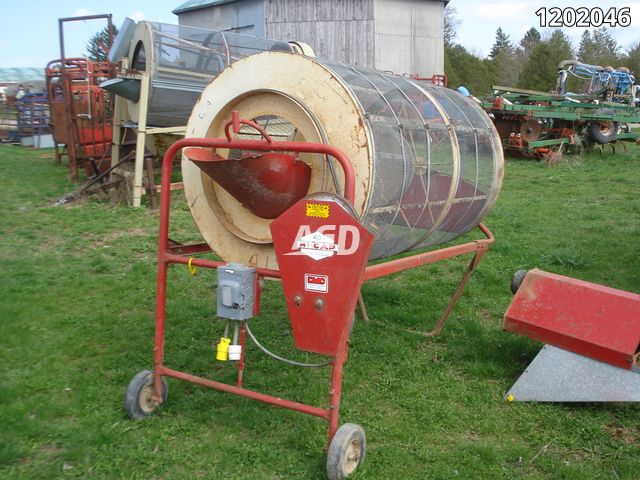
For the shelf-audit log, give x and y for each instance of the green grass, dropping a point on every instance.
(76, 323)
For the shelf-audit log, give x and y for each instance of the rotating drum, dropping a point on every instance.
(428, 161)
(181, 61)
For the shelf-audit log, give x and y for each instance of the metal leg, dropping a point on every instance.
(243, 334)
(454, 298)
(363, 308)
(161, 304)
(336, 389)
(140, 143)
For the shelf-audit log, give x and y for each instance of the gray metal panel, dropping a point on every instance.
(557, 375)
(246, 17)
(409, 36)
(236, 291)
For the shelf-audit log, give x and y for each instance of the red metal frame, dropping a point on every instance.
(169, 253)
(81, 110)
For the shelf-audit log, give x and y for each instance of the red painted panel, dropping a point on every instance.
(322, 253)
(585, 318)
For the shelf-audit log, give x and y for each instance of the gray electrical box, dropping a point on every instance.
(236, 291)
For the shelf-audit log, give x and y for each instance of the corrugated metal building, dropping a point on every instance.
(402, 36)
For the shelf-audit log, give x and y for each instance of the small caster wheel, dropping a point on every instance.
(138, 399)
(346, 451)
(517, 279)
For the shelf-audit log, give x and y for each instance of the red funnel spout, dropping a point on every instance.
(267, 185)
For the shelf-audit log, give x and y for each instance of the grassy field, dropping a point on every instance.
(76, 323)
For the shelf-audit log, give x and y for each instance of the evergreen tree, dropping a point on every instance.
(527, 43)
(464, 68)
(99, 45)
(531, 38)
(632, 60)
(505, 69)
(587, 49)
(540, 70)
(607, 48)
(502, 44)
(599, 48)
(503, 63)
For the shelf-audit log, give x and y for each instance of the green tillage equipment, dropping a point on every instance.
(540, 124)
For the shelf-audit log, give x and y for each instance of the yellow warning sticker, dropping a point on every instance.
(317, 210)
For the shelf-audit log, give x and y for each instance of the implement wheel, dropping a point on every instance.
(346, 451)
(138, 399)
(603, 131)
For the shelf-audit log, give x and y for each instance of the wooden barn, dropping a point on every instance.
(401, 36)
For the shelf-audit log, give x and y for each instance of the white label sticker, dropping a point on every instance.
(204, 109)
(316, 283)
(317, 246)
(327, 241)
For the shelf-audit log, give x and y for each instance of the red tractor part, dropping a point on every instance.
(596, 330)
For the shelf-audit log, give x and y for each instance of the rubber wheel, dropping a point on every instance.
(603, 131)
(346, 451)
(138, 399)
(517, 279)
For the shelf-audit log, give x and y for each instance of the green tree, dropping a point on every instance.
(540, 70)
(99, 45)
(529, 41)
(502, 45)
(632, 59)
(503, 64)
(464, 68)
(598, 47)
(607, 47)
(587, 49)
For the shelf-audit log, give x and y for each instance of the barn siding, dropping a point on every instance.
(409, 36)
(336, 29)
(402, 36)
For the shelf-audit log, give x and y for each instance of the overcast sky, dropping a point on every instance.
(29, 33)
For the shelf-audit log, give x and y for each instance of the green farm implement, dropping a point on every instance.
(543, 125)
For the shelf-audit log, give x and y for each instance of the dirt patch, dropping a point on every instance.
(626, 435)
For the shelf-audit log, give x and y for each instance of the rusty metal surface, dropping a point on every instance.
(593, 320)
(557, 375)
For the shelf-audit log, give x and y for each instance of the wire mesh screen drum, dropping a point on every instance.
(181, 62)
(428, 160)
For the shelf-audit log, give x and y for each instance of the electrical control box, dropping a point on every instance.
(236, 291)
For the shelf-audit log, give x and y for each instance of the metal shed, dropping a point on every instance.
(401, 36)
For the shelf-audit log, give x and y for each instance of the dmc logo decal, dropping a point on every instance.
(316, 283)
(325, 242)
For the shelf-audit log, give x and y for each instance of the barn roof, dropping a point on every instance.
(197, 4)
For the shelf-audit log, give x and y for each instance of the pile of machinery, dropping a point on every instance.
(542, 124)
